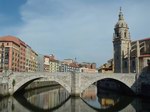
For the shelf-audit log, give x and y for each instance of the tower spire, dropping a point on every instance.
(122, 45)
(121, 14)
(120, 9)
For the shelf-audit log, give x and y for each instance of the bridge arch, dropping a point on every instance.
(125, 79)
(74, 83)
(24, 81)
(22, 84)
(114, 85)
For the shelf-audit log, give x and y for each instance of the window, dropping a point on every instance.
(2, 44)
(6, 61)
(133, 64)
(125, 34)
(125, 64)
(117, 57)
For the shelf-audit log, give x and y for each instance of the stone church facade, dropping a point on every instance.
(129, 56)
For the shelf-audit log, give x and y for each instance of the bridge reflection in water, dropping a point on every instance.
(106, 101)
(57, 99)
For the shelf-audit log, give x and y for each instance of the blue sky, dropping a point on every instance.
(73, 28)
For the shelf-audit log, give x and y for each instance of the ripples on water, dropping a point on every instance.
(57, 99)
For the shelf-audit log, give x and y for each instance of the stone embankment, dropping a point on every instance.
(40, 84)
(4, 87)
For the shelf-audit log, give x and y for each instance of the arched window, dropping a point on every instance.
(125, 64)
(125, 34)
(133, 64)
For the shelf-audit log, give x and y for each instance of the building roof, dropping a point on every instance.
(10, 39)
(121, 22)
(15, 40)
(145, 39)
(145, 55)
(75, 65)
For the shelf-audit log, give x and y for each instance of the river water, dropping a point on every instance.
(57, 99)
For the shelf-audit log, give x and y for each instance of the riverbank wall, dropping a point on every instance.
(4, 87)
(40, 84)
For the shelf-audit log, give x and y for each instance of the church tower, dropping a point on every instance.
(121, 45)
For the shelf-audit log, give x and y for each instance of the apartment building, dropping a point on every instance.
(31, 60)
(69, 65)
(53, 64)
(48, 63)
(14, 54)
(88, 67)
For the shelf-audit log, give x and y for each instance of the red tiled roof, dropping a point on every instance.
(145, 55)
(74, 65)
(142, 39)
(22, 43)
(10, 39)
(145, 39)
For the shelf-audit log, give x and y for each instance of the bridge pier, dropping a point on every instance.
(75, 82)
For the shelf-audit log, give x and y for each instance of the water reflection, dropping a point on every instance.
(3, 104)
(57, 99)
(46, 99)
(105, 100)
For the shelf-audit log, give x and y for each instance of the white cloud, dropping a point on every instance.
(72, 29)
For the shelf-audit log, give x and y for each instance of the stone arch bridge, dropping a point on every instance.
(74, 83)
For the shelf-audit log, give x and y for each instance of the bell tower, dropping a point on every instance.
(121, 45)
